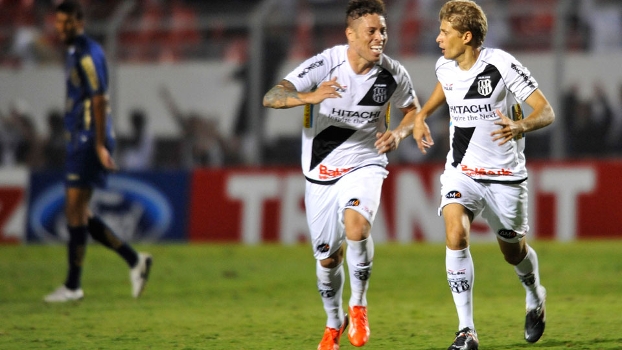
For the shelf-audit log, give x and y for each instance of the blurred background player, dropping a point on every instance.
(343, 156)
(88, 159)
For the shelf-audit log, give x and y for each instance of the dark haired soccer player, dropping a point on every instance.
(485, 172)
(343, 158)
(89, 147)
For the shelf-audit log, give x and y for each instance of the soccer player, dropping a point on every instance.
(485, 171)
(89, 147)
(343, 158)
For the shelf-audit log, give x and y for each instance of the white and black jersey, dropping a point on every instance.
(340, 137)
(496, 81)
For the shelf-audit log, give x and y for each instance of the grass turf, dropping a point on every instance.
(264, 297)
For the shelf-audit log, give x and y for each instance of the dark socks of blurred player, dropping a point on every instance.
(103, 234)
(76, 252)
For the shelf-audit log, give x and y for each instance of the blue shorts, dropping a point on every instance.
(83, 168)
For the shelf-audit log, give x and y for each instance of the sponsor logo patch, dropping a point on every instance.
(311, 67)
(323, 247)
(453, 194)
(354, 202)
(507, 233)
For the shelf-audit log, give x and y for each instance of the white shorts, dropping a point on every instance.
(325, 205)
(502, 205)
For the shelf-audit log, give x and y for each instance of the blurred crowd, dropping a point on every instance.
(593, 126)
(182, 30)
(174, 30)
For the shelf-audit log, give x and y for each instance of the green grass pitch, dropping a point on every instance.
(214, 296)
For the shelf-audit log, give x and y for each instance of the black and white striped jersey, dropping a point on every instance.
(496, 81)
(339, 137)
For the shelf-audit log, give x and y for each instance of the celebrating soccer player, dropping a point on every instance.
(343, 159)
(485, 171)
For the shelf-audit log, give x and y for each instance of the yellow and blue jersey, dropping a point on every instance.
(86, 75)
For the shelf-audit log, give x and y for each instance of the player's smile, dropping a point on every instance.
(377, 49)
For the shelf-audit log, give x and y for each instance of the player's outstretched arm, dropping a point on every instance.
(285, 95)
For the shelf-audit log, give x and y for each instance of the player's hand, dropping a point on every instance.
(421, 134)
(105, 158)
(509, 129)
(327, 89)
(387, 141)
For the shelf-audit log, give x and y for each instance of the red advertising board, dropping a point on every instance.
(568, 201)
(13, 189)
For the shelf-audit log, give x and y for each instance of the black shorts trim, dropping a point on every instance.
(488, 181)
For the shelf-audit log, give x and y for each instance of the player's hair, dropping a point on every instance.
(359, 8)
(466, 16)
(72, 8)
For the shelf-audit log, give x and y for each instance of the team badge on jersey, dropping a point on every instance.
(484, 87)
(485, 83)
(380, 93)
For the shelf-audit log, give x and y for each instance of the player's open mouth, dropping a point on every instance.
(377, 49)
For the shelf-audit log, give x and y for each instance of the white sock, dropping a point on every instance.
(330, 285)
(460, 276)
(527, 271)
(359, 256)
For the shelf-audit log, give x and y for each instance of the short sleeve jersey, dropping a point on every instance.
(496, 81)
(86, 75)
(340, 137)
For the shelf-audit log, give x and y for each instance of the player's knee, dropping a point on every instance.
(333, 261)
(358, 231)
(456, 238)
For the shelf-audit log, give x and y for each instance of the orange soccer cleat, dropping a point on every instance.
(330, 341)
(359, 326)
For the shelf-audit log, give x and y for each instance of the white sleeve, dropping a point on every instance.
(405, 93)
(519, 80)
(309, 73)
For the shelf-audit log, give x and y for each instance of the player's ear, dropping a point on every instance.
(350, 33)
(467, 37)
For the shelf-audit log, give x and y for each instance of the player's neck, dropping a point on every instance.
(358, 64)
(468, 58)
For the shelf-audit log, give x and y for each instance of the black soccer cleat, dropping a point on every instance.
(535, 321)
(466, 339)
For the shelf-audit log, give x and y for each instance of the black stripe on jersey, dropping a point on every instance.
(460, 143)
(484, 84)
(326, 141)
(381, 91)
